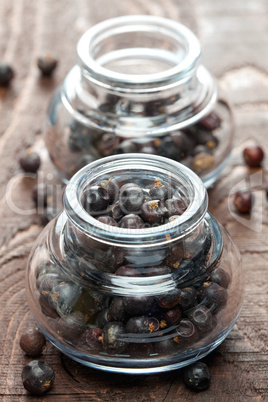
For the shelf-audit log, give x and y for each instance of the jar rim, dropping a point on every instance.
(91, 39)
(168, 232)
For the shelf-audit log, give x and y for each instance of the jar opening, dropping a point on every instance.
(138, 50)
(143, 168)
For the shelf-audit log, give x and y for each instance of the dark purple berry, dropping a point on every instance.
(112, 337)
(186, 333)
(30, 162)
(243, 201)
(201, 317)
(159, 191)
(253, 155)
(213, 295)
(33, 342)
(116, 211)
(127, 271)
(142, 325)
(95, 199)
(131, 198)
(170, 300)
(171, 316)
(211, 121)
(154, 271)
(108, 220)
(71, 326)
(91, 339)
(47, 65)
(116, 310)
(131, 221)
(154, 212)
(220, 277)
(112, 189)
(37, 377)
(188, 298)
(102, 318)
(175, 206)
(6, 74)
(136, 306)
(197, 376)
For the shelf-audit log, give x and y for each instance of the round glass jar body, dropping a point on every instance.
(138, 300)
(139, 87)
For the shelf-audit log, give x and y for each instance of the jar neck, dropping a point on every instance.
(141, 54)
(139, 166)
(139, 75)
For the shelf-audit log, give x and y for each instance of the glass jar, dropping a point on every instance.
(139, 87)
(135, 300)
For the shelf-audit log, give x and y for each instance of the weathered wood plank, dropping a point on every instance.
(234, 36)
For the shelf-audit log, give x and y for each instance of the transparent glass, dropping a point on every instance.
(139, 86)
(135, 300)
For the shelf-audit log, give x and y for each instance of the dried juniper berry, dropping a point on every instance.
(131, 221)
(6, 74)
(64, 296)
(243, 201)
(91, 339)
(30, 162)
(202, 319)
(220, 277)
(197, 376)
(211, 121)
(127, 271)
(169, 149)
(138, 305)
(171, 316)
(159, 191)
(154, 271)
(169, 300)
(213, 295)
(142, 325)
(47, 64)
(253, 155)
(102, 318)
(116, 211)
(131, 198)
(71, 326)
(188, 298)
(112, 189)
(95, 199)
(38, 377)
(116, 310)
(112, 337)
(154, 212)
(175, 206)
(33, 342)
(186, 333)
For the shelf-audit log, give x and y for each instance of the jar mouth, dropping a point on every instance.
(179, 228)
(114, 50)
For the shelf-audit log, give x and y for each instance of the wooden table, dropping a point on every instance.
(234, 37)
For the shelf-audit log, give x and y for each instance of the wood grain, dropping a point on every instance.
(234, 37)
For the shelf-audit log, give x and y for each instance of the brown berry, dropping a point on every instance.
(33, 342)
(243, 201)
(253, 155)
(6, 74)
(47, 65)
